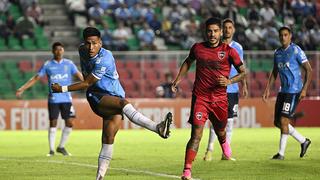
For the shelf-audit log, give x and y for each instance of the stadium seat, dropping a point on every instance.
(14, 11)
(253, 65)
(132, 64)
(14, 44)
(147, 64)
(42, 43)
(173, 47)
(266, 65)
(39, 32)
(134, 44)
(260, 75)
(3, 46)
(3, 73)
(28, 44)
(25, 65)
(159, 64)
(173, 66)
(124, 73)
(151, 74)
(136, 74)
(28, 75)
(185, 85)
(9, 65)
(111, 24)
(254, 84)
(120, 64)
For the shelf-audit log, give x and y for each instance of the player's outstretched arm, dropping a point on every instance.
(90, 79)
(27, 85)
(182, 72)
(307, 79)
(270, 82)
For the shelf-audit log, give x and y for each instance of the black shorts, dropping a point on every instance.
(66, 109)
(233, 101)
(94, 99)
(286, 104)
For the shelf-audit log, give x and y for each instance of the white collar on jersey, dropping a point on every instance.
(55, 61)
(287, 47)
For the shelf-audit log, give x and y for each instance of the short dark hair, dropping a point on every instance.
(55, 44)
(227, 20)
(90, 31)
(285, 28)
(213, 20)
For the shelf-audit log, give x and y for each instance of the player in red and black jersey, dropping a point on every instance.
(209, 100)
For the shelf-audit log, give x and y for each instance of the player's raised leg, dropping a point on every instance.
(112, 104)
(109, 131)
(304, 142)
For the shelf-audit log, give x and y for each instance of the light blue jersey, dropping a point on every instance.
(234, 88)
(288, 62)
(58, 72)
(102, 67)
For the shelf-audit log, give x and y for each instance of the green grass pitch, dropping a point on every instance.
(139, 154)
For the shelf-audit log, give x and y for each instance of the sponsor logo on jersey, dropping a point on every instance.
(283, 65)
(59, 76)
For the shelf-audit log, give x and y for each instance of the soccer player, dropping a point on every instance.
(232, 89)
(107, 97)
(58, 70)
(288, 59)
(209, 98)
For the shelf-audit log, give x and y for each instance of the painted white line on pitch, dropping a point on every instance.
(94, 166)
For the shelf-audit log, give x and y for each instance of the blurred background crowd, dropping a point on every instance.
(158, 24)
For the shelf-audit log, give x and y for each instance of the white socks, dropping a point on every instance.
(64, 136)
(283, 144)
(283, 140)
(295, 134)
(138, 118)
(229, 129)
(52, 137)
(104, 160)
(212, 134)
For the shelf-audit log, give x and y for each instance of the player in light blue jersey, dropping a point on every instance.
(58, 70)
(107, 97)
(288, 60)
(232, 90)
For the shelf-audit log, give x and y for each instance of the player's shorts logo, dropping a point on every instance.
(199, 115)
(221, 54)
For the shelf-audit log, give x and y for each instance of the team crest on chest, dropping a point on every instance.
(199, 115)
(221, 54)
